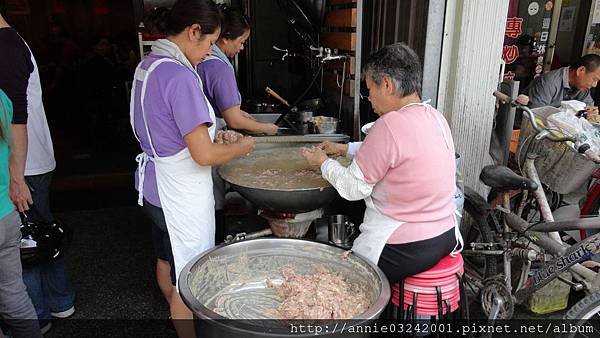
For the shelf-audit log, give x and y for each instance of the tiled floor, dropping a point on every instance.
(111, 264)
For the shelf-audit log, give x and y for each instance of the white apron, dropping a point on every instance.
(219, 185)
(377, 228)
(184, 187)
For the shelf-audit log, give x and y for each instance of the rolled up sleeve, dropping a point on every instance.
(353, 149)
(349, 182)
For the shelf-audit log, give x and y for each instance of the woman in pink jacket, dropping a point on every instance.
(404, 170)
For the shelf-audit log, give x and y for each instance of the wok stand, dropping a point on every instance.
(281, 225)
(242, 236)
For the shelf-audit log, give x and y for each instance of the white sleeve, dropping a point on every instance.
(349, 182)
(352, 149)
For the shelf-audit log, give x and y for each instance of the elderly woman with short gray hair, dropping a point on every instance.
(404, 170)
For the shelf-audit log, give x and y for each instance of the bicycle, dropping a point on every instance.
(501, 232)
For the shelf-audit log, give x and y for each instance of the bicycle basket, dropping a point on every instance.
(559, 165)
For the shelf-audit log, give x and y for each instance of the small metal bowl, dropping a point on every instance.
(325, 125)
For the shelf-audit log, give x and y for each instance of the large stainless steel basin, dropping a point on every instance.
(229, 282)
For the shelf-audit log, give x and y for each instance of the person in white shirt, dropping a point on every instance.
(47, 283)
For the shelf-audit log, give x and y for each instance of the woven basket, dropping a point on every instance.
(559, 166)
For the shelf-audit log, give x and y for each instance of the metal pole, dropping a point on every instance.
(357, 75)
(552, 37)
(433, 50)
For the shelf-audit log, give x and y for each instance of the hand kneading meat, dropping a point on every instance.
(227, 137)
(322, 295)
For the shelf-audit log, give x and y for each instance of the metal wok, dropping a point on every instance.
(285, 195)
(290, 201)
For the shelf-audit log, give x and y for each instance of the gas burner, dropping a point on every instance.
(277, 214)
(285, 224)
(282, 224)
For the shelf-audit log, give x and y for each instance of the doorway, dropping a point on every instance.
(572, 27)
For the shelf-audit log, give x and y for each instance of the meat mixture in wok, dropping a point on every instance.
(322, 295)
(280, 168)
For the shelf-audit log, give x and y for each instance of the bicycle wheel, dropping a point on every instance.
(476, 227)
(582, 320)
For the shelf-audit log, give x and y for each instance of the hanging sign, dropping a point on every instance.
(525, 38)
(566, 19)
(533, 8)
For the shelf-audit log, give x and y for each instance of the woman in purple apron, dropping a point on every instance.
(175, 125)
(220, 87)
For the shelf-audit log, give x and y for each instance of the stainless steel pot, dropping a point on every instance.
(301, 119)
(229, 282)
(303, 116)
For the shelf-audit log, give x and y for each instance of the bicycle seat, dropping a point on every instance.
(502, 178)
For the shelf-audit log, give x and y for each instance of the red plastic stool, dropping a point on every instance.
(434, 292)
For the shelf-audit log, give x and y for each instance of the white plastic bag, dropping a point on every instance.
(566, 122)
(579, 128)
(591, 135)
(572, 106)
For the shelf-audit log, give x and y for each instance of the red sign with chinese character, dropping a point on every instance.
(514, 27)
(525, 38)
(510, 54)
(509, 75)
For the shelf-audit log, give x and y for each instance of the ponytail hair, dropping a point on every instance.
(235, 23)
(184, 13)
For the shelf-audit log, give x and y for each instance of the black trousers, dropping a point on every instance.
(398, 261)
(219, 226)
(160, 236)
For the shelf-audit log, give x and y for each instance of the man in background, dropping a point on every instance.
(567, 83)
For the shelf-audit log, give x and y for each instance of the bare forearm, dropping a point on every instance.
(205, 152)
(18, 190)
(223, 153)
(18, 152)
(236, 120)
(250, 125)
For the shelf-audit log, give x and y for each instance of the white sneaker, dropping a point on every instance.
(44, 329)
(64, 314)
